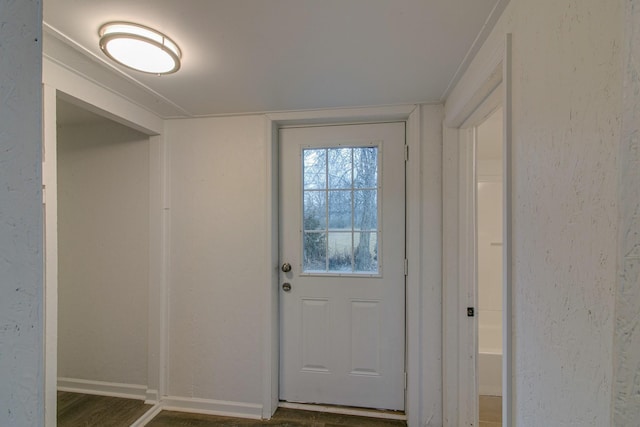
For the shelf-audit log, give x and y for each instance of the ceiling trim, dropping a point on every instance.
(59, 46)
(482, 36)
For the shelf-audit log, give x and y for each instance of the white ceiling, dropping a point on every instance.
(243, 56)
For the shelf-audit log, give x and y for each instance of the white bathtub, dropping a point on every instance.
(490, 373)
(490, 353)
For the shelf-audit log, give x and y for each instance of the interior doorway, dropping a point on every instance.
(108, 166)
(487, 90)
(103, 254)
(489, 280)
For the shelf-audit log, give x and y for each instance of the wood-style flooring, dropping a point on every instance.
(85, 410)
(490, 411)
(82, 410)
(283, 418)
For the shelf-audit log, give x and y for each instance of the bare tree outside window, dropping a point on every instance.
(340, 210)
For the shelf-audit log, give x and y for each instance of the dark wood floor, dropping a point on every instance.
(283, 418)
(85, 410)
(490, 411)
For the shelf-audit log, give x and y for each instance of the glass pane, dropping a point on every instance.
(365, 167)
(340, 168)
(365, 252)
(314, 169)
(340, 210)
(365, 209)
(340, 252)
(315, 251)
(340, 206)
(315, 213)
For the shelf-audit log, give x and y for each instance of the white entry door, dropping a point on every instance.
(342, 278)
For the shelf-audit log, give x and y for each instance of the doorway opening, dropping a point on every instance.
(103, 260)
(487, 91)
(103, 250)
(101, 203)
(489, 280)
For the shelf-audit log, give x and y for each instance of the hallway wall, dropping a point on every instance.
(566, 131)
(218, 235)
(626, 396)
(218, 238)
(21, 229)
(103, 252)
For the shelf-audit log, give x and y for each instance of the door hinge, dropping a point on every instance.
(406, 267)
(406, 153)
(405, 381)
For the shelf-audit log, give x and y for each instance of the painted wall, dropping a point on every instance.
(626, 396)
(431, 291)
(21, 257)
(489, 243)
(103, 252)
(566, 130)
(489, 266)
(218, 240)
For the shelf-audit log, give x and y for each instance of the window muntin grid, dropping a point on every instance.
(340, 205)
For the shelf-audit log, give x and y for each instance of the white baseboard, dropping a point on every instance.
(212, 407)
(151, 397)
(148, 416)
(102, 388)
(490, 390)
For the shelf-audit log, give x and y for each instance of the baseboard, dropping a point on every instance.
(102, 388)
(151, 397)
(489, 390)
(212, 407)
(148, 416)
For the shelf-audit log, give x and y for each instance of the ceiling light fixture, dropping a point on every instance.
(140, 48)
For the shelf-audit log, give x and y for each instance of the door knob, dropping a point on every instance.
(286, 267)
(286, 286)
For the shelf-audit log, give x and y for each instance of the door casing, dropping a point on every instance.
(411, 114)
(59, 82)
(386, 285)
(488, 86)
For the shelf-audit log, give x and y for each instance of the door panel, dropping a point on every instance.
(342, 231)
(315, 327)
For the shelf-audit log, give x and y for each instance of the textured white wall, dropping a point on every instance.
(103, 253)
(217, 279)
(431, 303)
(626, 398)
(566, 130)
(21, 258)
(218, 233)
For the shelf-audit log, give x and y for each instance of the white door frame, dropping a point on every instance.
(411, 114)
(474, 97)
(60, 81)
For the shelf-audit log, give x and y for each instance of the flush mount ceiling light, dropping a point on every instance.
(139, 48)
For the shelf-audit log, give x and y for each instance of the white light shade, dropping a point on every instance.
(139, 48)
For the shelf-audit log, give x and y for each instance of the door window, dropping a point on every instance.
(340, 210)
